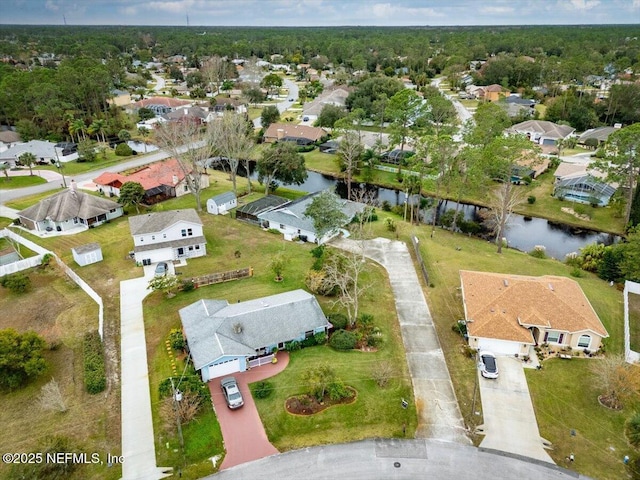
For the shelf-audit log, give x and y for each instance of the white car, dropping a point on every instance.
(488, 364)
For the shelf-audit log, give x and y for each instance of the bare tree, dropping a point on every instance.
(382, 372)
(618, 380)
(349, 151)
(362, 228)
(230, 137)
(501, 205)
(185, 141)
(214, 71)
(186, 409)
(344, 270)
(51, 397)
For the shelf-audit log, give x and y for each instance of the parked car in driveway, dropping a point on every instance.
(231, 392)
(161, 269)
(488, 365)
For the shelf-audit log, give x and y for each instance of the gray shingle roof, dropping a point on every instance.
(86, 248)
(39, 148)
(601, 134)
(68, 204)
(543, 127)
(181, 242)
(223, 198)
(159, 221)
(210, 325)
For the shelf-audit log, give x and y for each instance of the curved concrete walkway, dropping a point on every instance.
(438, 413)
(138, 443)
(244, 437)
(386, 459)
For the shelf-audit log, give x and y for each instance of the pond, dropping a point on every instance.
(523, 233)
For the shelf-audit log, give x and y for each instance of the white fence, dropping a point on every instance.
(630, 355)
(70, 273)
(256, 362)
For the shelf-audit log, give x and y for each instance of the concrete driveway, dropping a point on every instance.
(244, 437)
(438, 413)
(509, 420)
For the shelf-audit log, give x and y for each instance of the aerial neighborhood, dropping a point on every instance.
(218, 246)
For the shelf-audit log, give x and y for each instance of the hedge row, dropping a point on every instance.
(95, 380)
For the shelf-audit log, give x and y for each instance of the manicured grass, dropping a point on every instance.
(634, 321)
(20, 182)
(322, 162)
(565, 399)
(75, 167)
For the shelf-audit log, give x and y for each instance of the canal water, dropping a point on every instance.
(523, 233)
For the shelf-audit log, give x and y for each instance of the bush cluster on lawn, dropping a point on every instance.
(16, 282)
(95, 380)
(191, 383)
(343, 340)
(20, 358)
(123, 150)
(176, 339)
(262, 389)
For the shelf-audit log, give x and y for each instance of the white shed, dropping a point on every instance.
(87, 254)
(221, 204)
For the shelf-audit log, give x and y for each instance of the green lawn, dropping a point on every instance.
(565, 399)
(21, 182)
(634, 321)
(75, 167)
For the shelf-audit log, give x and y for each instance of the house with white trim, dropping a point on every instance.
(509, 314)
(223, 338)
(167, 236)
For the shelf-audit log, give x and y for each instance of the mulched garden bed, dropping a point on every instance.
(308, 404)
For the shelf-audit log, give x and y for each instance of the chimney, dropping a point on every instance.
(280, 133)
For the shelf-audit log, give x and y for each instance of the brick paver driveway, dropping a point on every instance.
(244, 436)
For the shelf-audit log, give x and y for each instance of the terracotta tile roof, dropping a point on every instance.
(502, 306)
(166, 172)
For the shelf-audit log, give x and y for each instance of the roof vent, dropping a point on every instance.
(551, 287)
(237, 328)
(506, 282)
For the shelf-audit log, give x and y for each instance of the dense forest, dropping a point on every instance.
(44, 97)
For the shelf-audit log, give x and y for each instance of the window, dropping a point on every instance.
(585, 341)
(191, 248)
(197, 247)
(189, 232)
(186, 188)
(141, 239)
(282, 226)
(553, 337)
(164, 235)
(183, 232)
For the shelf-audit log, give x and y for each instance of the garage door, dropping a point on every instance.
(499, 347)
(224, 368)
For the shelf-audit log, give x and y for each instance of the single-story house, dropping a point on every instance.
(492, 93)
(44, 151)
(577, 183)
(329, 147)
(508, 314)
(160, 180)
(529, 165)
(293, 223)
(278, 131)
(167, 236)
(228, 104)
(69, 209)
(223, 338)
(336, 96)
(159, 105)
(9, 138)
(600, 134)
(221, 204)
(542, 132)
(250, 211)
(87, 254)
(195, 115)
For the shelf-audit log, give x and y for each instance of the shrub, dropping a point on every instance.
(16, 282)
(375, 340)
(391, 225)
(189, 383)
(309, 342)
(338, 320)
(274, 230)
(337, 391)
(382, 372)
(531, 199)
(460, 327)
(470, 227)
(95, 380)
(262, 389)
(343, 340)
(292, 346)
(123, 150)
(317, 282)
(321, 338)
(318, 252)
(539, 251)
(386, 206)
(576, 272)
(188, 285)
(176, 339)
(468, 351)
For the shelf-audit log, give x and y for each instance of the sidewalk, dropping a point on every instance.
(438, 413)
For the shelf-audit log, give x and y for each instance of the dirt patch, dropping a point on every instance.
(571, 211)
(309, 405)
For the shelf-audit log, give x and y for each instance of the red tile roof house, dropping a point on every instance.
(300, 133)
(160, 180)
(508, 314)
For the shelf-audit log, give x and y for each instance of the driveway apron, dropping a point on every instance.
(138, 446)
(509, 420)
(438, 413)
(244, 437)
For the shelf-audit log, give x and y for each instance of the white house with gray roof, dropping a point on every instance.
(293, 223)
(167, 236)
(223, 337)
(44, 151)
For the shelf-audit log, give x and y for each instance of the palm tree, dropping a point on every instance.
(144, 133)
(28, 159)
(124, 135)
(97, 128)
(78, 127)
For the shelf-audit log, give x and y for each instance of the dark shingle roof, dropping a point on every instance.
(262, 205)
(68, 204)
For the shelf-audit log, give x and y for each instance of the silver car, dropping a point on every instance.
(231, 392)
(488, 364)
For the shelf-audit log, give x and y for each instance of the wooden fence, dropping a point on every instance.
(222, 277)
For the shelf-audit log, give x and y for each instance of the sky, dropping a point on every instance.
(319, 12)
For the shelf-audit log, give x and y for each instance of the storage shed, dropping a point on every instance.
(87, 254)
(221, 204)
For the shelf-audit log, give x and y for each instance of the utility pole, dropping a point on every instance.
(177, 396)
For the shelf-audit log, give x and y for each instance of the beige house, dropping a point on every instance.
(508, 314)
(301, 134)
